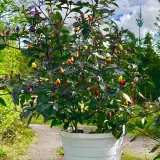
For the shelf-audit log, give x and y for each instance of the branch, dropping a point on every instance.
(148, 135)
(5, 15)
(5, 94)
(12, 46)
(147, 114)
(49, 23)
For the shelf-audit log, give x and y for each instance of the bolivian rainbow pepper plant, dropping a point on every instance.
(81, 71)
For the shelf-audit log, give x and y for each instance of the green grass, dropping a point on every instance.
(39, 120)
(17, 149)
(149, 129)
(60, 152)
(128, 155)
(2, 153)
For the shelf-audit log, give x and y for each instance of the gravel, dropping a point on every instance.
(141, 146)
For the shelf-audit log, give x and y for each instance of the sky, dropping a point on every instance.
(128, 9)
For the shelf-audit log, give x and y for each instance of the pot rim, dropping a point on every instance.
(87, 136)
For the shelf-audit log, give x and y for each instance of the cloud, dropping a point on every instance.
(129, 8)
(125, 14)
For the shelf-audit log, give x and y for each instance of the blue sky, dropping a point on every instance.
(125, 14)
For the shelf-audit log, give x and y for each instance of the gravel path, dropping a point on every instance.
(49, 141)
(141, 146)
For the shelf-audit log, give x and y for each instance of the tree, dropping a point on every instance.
(9, 14)
(149, 63)
(10, 59)
(158, 21)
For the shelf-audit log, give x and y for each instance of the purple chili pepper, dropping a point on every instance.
(32, 29)
(128, 49)
(82, 15)
(36, 10)
(32, 13)
(7, 33)
(39, 43)
(31, 103)
(18, 76)
(17, 28)
(119, 52)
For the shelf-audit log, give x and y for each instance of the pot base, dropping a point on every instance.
(102, 158)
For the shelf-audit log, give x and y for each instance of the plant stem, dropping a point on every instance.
(147, 114)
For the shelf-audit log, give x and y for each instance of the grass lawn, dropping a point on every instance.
(127, 155)
(16, 150)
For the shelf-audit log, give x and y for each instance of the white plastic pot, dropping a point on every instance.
(80, 146)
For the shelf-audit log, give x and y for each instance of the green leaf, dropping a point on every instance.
(70, 71)
(115, 4)
(22, 99)
(140, 125)
(76, 24)
(130, 127)
(2, 102)
(134, 138)
(157, 157)
(117, 133)
(2, 46)
(53, 123)
(15, 94)
(92, 103)
(30, 62)
(66, 53)
(27, 97)
(67, 112)
(144, 121)
(31, 7)
(101, 118)
(155, 148)
(63, 1)
(108, 11)
(27, 42)
(137, 110)
(106, 29)
(25, 52)
(98, 55)
(66, 125)
(78, 9)
(113, 92)
(86, 31)
(140, 94)
(56, 16)
(44, 107)
(59, 7)
(125, 96)
(102, 86)
(91, 114)
(39, 31)
(152, 84)
(25, 114)
(96, 1)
